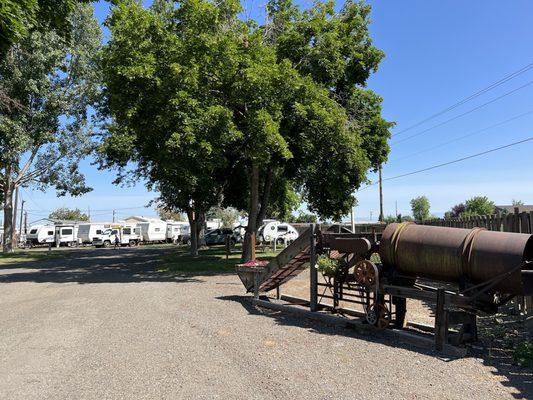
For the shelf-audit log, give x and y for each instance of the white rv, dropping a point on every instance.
(89, 231)
(128, 235)
(176, 230)
(40, 234)
(66, 234)
(277, 231)
(153, 231)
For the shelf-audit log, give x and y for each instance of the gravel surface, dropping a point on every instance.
(103, 325)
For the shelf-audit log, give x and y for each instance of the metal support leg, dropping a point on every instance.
(257, 283)
(441, 323)
(400, 304)
(278, 293)
(313, 272)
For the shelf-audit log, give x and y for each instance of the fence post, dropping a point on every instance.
(313, 272)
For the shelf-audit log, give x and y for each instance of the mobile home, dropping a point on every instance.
(152, 229)
(66, 233)
(277, 231)
(89, 231)
(40, 234)
(176, 230)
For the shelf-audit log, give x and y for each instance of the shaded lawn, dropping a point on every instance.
(22, 256)
(211, 260)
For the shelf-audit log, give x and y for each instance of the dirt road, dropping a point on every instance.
(102, 324)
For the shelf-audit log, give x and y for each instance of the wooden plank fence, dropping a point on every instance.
(518, 222)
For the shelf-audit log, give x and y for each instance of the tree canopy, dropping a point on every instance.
(217, 110)
(478, 205)
(420, 208)
(68, 214)
(52, 82)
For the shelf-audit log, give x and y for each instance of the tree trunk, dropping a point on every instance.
(253, 211)
(8, 215)
(194, 233)
(200, 226)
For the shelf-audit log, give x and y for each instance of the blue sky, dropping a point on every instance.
(437, 53)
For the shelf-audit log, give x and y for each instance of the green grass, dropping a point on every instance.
(23, 256)
(212, 260)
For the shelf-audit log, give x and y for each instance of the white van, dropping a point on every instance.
(128, 235)
(153, 231)
(40, 234)
(176, 230)
(66, 234)
(89, 231)
(280, 232)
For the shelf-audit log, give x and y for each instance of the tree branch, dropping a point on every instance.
(265, 197)
(27, 165)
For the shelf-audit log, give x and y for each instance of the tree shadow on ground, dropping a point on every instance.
(521, 379)
(125, 265)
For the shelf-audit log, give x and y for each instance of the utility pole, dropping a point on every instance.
(25, 222)
(381, 216)
(89, 212)
(370, 215)
(396, 208)
(14, 222)
(352, 220)
(113, 215)
(21, 217)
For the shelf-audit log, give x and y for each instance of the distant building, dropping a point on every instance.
(510, 209)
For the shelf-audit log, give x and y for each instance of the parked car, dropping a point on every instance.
(218, 236)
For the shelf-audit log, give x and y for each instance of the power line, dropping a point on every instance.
(464, 136)
(463, 114)
(466, 99)
(450, 162)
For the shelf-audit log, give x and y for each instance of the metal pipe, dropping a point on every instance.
(458, 255)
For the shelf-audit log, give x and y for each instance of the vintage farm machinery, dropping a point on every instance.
(456, 272)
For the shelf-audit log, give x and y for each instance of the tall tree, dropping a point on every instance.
(420, 208)
(55, 81)
(214, 109)
(163, 69)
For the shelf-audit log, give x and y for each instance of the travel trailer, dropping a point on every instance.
(152, 229)
(66, 233)
(40, 235)
(277, 231)
(89, 231)
(129, 234)
(176, 231)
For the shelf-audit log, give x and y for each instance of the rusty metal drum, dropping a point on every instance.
(453, 254)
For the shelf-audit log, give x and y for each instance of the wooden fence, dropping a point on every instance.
(512, 222)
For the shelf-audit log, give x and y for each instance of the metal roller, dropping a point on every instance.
(458, 255)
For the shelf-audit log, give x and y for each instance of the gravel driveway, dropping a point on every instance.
(102, 324)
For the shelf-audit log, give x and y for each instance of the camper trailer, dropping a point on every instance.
(277, 231)
(129, 234)
(89, 231)
(153, 231)
(66, 233)
(40, 235)
(176, 230)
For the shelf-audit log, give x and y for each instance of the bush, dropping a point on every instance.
(523, 354)
(327, 266)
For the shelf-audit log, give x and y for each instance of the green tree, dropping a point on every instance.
(228, 216)
(68, 214)
(305, 218)
(19, 17)
(478, 205)
(166, 215)
(420, 208)
(517, 202)
(217, 110)
(55, 82)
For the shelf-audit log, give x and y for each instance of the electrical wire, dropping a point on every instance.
(464, 136)
(463, 114)
(466, 99)
(450, 162)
